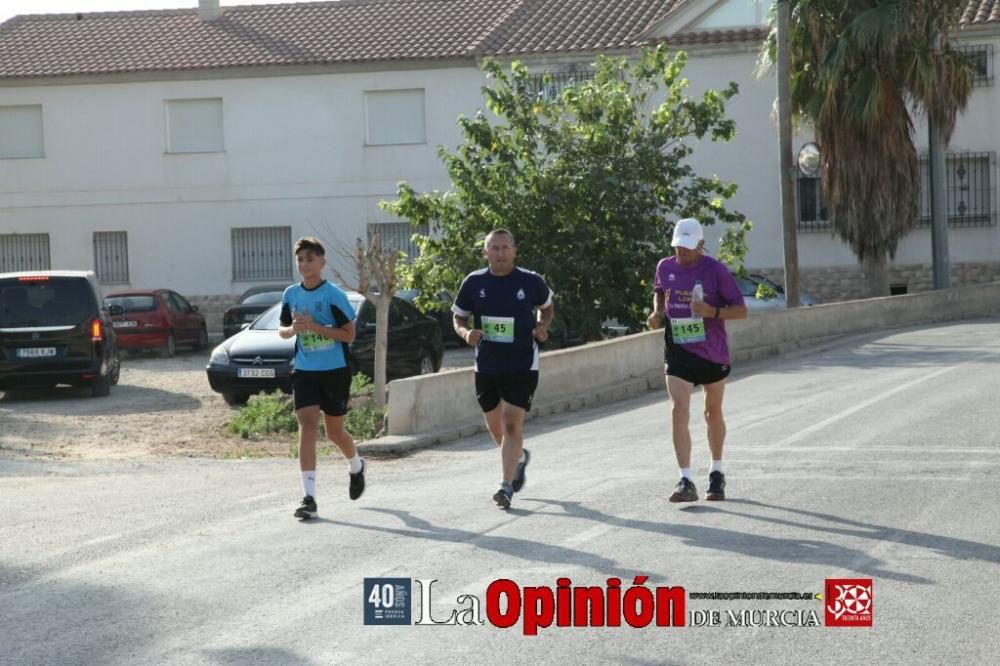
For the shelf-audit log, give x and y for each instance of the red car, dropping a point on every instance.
(158, 319)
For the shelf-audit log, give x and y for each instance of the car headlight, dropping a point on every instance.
(219, 356)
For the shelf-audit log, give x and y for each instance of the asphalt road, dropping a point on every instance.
(875, 459)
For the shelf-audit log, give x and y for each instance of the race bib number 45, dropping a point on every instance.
(688, 331)
(498, 329)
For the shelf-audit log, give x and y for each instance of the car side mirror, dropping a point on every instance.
(245, 326)
(194, 308)
(116, 310)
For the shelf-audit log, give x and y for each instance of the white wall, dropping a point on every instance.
(295, 155)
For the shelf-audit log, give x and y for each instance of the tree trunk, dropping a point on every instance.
(875, 273)
(381, 346)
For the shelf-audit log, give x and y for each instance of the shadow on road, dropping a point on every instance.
(958, 549)
(799, 551)
(261, 655)
(524, 549)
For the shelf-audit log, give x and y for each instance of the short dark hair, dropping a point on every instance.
(309, 243)
(497, 232)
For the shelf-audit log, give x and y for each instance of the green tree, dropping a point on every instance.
(859, 67)
(586, 181)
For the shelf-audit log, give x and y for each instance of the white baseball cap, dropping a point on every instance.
(687, 233)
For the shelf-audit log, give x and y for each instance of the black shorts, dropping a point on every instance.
(515, 389)
(328, 389)
(692, 368)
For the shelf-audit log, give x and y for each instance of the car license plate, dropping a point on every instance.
(255, 373)
(124, 324)
(36, 352)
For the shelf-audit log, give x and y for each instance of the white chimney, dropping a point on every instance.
(209, 10)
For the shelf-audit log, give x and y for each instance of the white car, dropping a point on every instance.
(748, 287)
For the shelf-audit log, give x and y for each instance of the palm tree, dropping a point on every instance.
(859, 67)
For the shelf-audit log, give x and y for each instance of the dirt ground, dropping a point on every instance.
(160, 407)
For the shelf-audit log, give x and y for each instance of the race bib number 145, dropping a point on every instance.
(688, 331)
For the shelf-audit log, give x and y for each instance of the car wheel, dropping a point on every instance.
(236, 399)
(101, 387)
(202, 342)
(170, 348)
(427, 363)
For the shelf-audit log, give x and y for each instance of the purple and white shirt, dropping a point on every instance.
(676, 283)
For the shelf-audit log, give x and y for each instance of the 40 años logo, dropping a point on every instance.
(508, 604)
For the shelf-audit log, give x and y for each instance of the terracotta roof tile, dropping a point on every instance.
(981, 11)
(720, 36)
(316, 32)
(343, 31)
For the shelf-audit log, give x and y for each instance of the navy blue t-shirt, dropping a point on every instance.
(504, 309)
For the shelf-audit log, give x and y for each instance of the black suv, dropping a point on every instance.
(54, 330)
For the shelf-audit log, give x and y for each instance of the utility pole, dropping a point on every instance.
(938, 148)
(787, 181)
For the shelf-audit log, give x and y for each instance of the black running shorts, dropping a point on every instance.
(330, 390)
(693, 368)
(515, 389)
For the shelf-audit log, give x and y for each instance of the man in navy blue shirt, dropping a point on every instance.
(320, 318)
(495, 312)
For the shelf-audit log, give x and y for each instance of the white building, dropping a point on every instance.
(189, 148)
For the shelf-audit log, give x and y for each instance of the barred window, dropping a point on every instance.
(398, 236)
(262, 253)
(111, 256)
(970, 190)
(812, 209)
(24, 252)
(550, 85)
(980, 56)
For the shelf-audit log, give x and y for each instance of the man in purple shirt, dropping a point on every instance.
(693, 295)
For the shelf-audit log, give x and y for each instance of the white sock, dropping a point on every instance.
(354, 464)
(309, 483)
(686, 473)
(716, 467)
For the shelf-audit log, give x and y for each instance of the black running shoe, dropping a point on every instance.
(684, 491)
(357, 487)
(518, 481)
(716, 487)
(502, 497)
(307, 509)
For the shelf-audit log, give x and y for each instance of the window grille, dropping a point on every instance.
(111, 256)
(262, 253)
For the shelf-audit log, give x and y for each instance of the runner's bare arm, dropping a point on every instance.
(545, 315)
(655, 318)
(472, 336)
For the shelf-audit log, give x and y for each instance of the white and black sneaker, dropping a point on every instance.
(307, 509)
(503, 496)
(357, 485)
